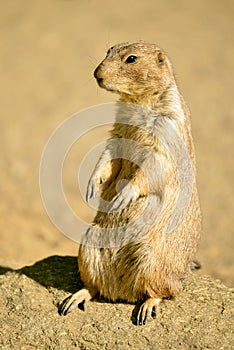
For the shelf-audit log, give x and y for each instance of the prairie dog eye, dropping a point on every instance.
(131, 59)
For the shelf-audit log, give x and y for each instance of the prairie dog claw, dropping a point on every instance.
(148, 311)
(78, 298)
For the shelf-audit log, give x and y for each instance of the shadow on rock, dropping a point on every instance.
(59, 272)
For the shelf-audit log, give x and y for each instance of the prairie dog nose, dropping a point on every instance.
(98, 75)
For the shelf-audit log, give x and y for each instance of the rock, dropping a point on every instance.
(200, 318)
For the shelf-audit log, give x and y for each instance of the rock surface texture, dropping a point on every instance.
(200, 318)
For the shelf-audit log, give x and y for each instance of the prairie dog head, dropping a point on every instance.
(135, 69)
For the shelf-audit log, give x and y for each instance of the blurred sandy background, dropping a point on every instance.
(48, 51)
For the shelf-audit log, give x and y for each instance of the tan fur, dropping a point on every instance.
(153, 264)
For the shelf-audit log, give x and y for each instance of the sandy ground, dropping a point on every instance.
(199, 318)
(49, 50)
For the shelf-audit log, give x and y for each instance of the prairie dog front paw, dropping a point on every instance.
(126, 196)
(93, 187)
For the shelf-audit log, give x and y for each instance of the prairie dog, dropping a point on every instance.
(154, 216)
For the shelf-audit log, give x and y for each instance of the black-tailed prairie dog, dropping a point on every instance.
(142, 243)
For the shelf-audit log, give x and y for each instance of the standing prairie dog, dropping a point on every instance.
(155, 214)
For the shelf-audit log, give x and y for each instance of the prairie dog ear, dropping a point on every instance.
(160, 58)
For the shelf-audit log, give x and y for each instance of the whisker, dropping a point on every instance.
(93, 61)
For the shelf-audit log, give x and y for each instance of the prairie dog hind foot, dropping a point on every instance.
(148, 311)
(77, 299)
